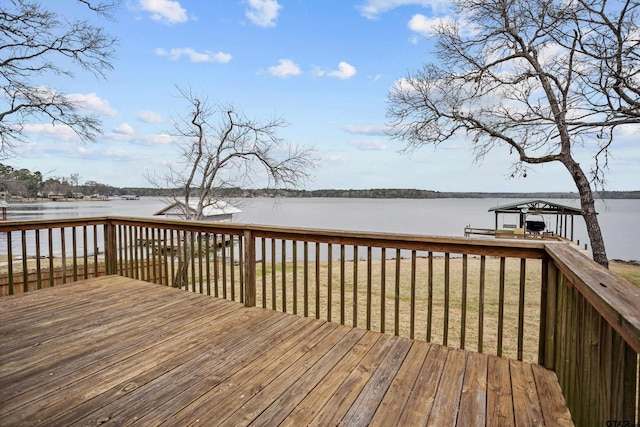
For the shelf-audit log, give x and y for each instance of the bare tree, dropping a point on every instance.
(35, 44)
(220, 147)
(543, 78)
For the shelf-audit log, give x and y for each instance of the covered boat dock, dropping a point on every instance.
(533, 219)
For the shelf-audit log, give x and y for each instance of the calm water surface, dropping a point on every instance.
(443, 217)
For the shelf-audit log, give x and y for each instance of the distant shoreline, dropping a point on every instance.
(391, 193)
(376, 193)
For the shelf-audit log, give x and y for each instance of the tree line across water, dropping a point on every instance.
(22, 183)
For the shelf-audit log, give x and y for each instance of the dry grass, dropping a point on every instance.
(432, 321)
(628, 271)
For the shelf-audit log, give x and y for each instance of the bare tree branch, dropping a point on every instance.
(220, 147)
(36, 43)
(542, 77)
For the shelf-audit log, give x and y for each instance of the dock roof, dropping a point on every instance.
(214, 209)
(537, 206)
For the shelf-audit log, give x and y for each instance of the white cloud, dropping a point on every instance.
(263, 12)
(59, 132)
(285, 67)
(344, 71)
(155, 139)
(164, 11)
(365, 130)
(124, 129)
(150, 117)
(368, 145)
(91, 101)
(193, 55)
(371, 9)
(423, 25)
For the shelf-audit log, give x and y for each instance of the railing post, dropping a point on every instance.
(249, 269)
(110, 248)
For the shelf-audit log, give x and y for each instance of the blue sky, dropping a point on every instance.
(325, 66)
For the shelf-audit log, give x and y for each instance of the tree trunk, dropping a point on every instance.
(588, 207)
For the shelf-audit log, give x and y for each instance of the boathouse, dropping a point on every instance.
(216, 210)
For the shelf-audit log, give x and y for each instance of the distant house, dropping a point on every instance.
(218, 210)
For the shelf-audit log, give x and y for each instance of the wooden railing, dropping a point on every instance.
(535, 301)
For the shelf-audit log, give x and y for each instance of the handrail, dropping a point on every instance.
(617, 300)
(592, 338)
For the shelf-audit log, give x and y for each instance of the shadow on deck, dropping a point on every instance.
(115, 350)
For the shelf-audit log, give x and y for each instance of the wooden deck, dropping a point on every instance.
(118, 351)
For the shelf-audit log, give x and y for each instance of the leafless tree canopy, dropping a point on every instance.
(36, 43)
(220, 147)
(543, 78)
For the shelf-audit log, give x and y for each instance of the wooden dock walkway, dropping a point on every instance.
(117, 351)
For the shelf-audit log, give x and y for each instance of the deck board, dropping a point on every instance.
(118, 351)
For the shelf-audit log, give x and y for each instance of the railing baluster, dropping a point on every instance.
(164, 257)
(355, 286)
(523, 279)
(155, 254)
(96, 250)
(222, 265)
(481, 304)
(192, 261)
(200, 270)
(501, 306)
(306, 279)
(50, 243)
(132, 250)
(38, 262)
(263, 242)
(412, 312)
(25, 269)
(430, 297)
(396, 314)
(207, 249)
(294, 267)
(463, 319)
(445, 335)
(122, 253)
(369, 287)
(85, 256)
(317, 280)
(283, 264)
(74, 252)
(146, 256)
(241, 264)
(232, 268)
(10, 262)
(342, 285)
(383, 290)
(64, 255)
(273, 273)
(329, 276)
(173, 252)
(216, 269)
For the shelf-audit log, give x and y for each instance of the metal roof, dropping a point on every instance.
(215, 208)
(537, 206)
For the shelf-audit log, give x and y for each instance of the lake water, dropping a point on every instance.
(443, 217)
